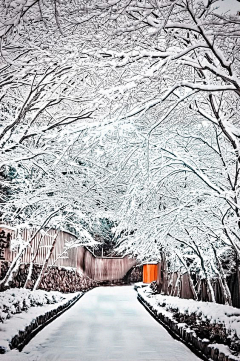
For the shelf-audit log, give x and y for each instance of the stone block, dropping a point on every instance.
(214, 353)
(221, 356)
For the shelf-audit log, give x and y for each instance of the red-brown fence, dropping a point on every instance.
(176, 284)
(103, 268)
(97, 268)
(41, 244)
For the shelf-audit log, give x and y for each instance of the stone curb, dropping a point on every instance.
(198, 346)
(24, 336)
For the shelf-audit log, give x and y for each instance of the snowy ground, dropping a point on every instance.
(227, 316)
(19, 307)
(108, 323)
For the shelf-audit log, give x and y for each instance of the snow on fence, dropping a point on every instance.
(176, 284)
(41, 244)
(97, 268)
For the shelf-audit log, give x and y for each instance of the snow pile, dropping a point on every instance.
(36, 304)
(214, 313)
(16, 300)
(138, 285)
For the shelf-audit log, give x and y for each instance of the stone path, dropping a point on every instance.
(107, 324)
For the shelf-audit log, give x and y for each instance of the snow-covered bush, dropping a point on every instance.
(16, 300)
(227, 317)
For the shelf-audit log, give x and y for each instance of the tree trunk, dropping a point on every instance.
(4, 281)
(222, 279)
(44, 267)
(177, 283)
(210, 288)
(14, 263)
(34, 256)
(195, 295)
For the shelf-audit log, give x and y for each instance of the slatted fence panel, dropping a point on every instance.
(103, 268)
(41, 244)
(97, 268)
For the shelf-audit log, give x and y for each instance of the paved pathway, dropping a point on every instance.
(106, 324)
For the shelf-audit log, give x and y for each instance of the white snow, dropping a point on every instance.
(108, 323)
(215, 313)
(19, 307)
(230, 6)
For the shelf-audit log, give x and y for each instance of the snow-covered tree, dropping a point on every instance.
(127, 111)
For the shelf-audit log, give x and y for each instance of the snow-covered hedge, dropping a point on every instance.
(208, 329)
(16, 300)
(210, 321)
(226, 316)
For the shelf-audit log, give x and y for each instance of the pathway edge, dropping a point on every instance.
(22, 338)
(194, 343)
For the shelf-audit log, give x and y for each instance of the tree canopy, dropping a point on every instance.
(127, 111)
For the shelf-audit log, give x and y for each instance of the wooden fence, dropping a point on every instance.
(41, 244)
(103, 268)
(97, 268)
(176, 284)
